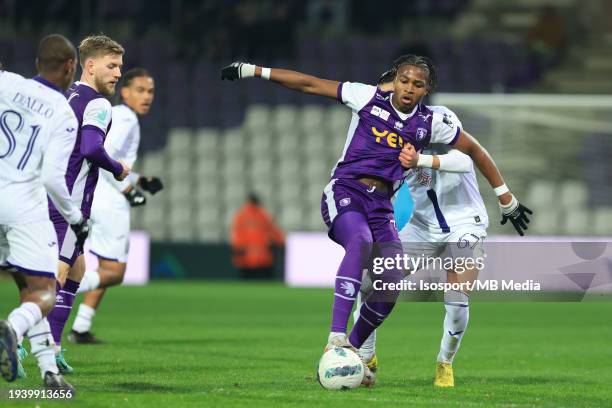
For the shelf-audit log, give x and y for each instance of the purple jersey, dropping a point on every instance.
(378, 132)
(92, 109)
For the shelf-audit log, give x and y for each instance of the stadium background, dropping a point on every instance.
(212, 343)
(213, 142)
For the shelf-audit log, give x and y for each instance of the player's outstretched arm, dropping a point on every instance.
(289, 79)
(510, 207)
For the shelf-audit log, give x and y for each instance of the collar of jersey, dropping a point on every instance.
(403, 116)
(47, 83)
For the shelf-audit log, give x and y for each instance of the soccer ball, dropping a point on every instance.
(340, 369)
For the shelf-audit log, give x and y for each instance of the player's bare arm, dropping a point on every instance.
(290, 79)
(510, 207)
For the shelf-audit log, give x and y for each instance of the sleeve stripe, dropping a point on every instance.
(339, 93)
(452, 142)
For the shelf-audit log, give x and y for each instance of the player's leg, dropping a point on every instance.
(109, 241)
(376, 308)
(111, 273)
(463, 243)
(35, 279)
(64, 301)
(343, 211)
(350, 230)
(367, 351)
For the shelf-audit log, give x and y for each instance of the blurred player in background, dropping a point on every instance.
(101, 59)
(110, 212)
(38, 132)
(356, 203)
(450, 218)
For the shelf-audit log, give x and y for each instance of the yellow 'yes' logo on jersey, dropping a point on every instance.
(393, 140)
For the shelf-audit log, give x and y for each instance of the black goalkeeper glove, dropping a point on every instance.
(150, 184)
(517, 214)
(81, 230)
(135, 198)
(238, 70)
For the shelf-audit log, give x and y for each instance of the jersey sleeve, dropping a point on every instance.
(445, 126)
(55, 163)
(122, 144)
(355, 95)
(97, 113)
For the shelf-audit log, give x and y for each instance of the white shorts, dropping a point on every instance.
(30, 248)
(464, 240)
(109, 238)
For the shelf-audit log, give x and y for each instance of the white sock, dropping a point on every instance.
(23, 318)
(455, 323)
(82, 322)
(90, 281)
(43, 347)
(368, 348)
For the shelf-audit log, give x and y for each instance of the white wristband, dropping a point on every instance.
(425, 160)
(247, 71)
(265, 73)
(501, 190)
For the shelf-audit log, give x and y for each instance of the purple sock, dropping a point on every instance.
(371, 315)
(378, 306)
(350, 230)
(64, 299)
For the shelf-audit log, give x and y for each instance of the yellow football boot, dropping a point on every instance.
(444, 375)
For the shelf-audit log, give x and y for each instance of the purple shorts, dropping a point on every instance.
(69, 251)
(345, 195)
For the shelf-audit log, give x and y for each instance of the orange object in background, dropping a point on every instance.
(252, 237)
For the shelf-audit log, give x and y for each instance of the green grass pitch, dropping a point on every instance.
(210, 344)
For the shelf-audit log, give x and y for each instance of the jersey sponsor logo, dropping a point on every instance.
(447, 119)
(424, 178)
(393, 140)
(381, 113)
(345, 201)
(101, 116)
(421, 133)
(398, 125)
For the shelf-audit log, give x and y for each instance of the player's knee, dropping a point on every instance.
(43, 295)
(360, 238)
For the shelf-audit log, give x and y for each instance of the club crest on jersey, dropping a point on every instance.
(398, 125)
(421, 133)
(345, 201)
(381, 113)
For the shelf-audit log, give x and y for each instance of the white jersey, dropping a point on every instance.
(38, 131)
(121, 143)
(444, 201)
